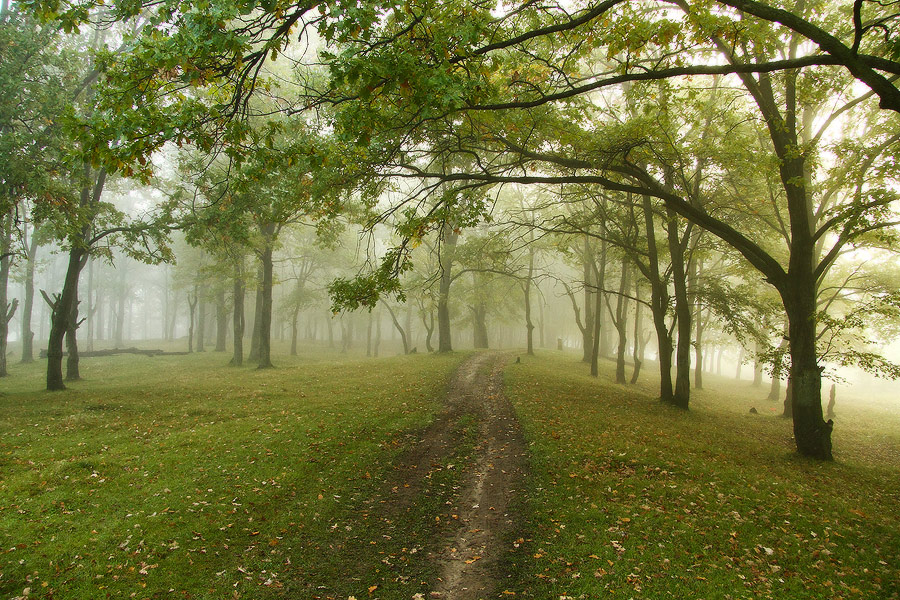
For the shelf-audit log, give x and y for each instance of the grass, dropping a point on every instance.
(178, 477)
(632, 499)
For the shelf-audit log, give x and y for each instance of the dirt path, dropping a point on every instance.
(468, 562)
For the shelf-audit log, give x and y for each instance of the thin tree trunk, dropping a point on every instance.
(399, 328)
(265, 313)
(294, 315)
(253, 355)
(369, 336)
(377, 334)
(529, 326)
(600, 278)
(429, 328)
(449, 238)
(72, 360)
(237, 358)
(192, 309)
(621, 322)
(221, 319)
(637, 353)
(587, 332)
(201, 325)
(28, 305)
(659, 302)
(682, 395)
(7, 309)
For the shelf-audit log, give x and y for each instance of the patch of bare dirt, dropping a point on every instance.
(468, 563)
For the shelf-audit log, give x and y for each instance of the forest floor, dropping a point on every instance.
(459, 476)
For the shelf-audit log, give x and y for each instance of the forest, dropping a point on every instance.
(657, 236)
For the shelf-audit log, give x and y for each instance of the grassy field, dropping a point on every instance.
(632, 499)
(179, 477)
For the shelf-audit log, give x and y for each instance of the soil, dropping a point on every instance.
(469, 561)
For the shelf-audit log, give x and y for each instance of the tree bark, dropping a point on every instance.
(428, 322)
(201, 324)
(529, 326)
(221, 319)
(7, 309)
(59, 319)
(682, 392)
(265, 312)
(294, 315)
(399, 328)
(621, 322)
(659, 304)
(72, 359)
(253, 355)
(239, 291)
(120, 307)
(192, 309)
(638, 342)
(600, 279)
(28, 305)
(449, 238)
(65, 305)
(587, 332)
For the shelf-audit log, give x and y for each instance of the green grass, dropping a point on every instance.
(179, 477)
(632, 499)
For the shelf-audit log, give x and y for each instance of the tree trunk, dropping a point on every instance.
(696, 271)
(377, 334)
(682, 395)
(832, 396)
(541, 338)
(237, 358)
(757, 366)
(201, 325)
(221, 319)
(529, 326)
(637, 352)
(330, 324)
(479, 324)
(72, 360)
(428, 322)
(294, 315)
(621, 322)
(7, 309)
(265, 298)
(59, 319)
(120, 307)
(587, 332)
(369, 336)
(253, 355)
(66, 305)
(777, 371)
(28, 305)
(399, 329)
(600, 281)
(192, 309)
(449, 238)
(659, 304)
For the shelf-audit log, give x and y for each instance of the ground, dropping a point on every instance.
(463, 476)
